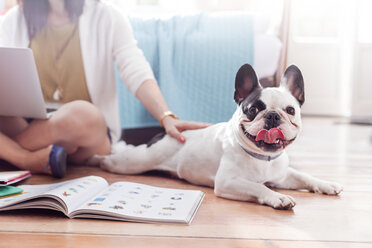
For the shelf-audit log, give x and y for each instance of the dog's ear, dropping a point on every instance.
(294, 82)
(246, 82)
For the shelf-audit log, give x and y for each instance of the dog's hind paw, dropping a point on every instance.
(107, 163)
(329, 188)
(95, 160)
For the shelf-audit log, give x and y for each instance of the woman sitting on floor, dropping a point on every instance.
(75, 43)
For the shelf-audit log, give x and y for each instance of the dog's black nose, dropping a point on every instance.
(272, 119)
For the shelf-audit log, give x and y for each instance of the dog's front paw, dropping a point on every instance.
(278, 201)
(329, 188)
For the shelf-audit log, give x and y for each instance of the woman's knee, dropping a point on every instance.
(77, 119)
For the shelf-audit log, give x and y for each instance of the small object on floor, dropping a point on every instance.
(9, 190)
(10, 177)
(57, 161)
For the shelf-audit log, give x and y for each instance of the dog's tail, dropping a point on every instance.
(138, 159)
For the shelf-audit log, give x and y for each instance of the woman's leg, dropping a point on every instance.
(77, 126)
(12, 126)
(13, 153)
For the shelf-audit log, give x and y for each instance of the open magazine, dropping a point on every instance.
(92, 197)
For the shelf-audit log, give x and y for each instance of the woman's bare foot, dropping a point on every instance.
(36, 161)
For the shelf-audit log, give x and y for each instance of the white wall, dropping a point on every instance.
(362, 79)
(331, 42)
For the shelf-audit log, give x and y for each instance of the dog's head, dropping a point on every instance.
(269, 119)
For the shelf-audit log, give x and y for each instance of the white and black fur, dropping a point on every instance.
(226, 155)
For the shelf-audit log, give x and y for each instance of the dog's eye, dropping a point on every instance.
(290, 110)
(253, 110)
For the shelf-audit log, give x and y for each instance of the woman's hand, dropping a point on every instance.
(150, 96)
(174, 127)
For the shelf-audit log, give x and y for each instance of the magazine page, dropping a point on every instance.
(67, 195)
(76, 192)
(29, 192)
(139, 202)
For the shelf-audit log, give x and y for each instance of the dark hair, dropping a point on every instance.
(36, 13)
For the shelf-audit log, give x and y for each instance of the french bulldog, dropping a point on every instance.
(242, 158)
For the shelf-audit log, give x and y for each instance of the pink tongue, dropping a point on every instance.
(270, 136)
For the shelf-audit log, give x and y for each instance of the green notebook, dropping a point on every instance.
(9, 190)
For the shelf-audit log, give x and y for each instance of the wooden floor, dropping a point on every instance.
(337, 152)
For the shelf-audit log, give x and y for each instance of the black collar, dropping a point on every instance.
(260, 156)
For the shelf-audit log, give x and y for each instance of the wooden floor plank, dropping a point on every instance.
(29, 240)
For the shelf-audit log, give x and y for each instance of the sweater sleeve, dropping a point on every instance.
(6, 23)
(130, 61)
(13, 29)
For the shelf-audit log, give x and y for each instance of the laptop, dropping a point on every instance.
(20, 90)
